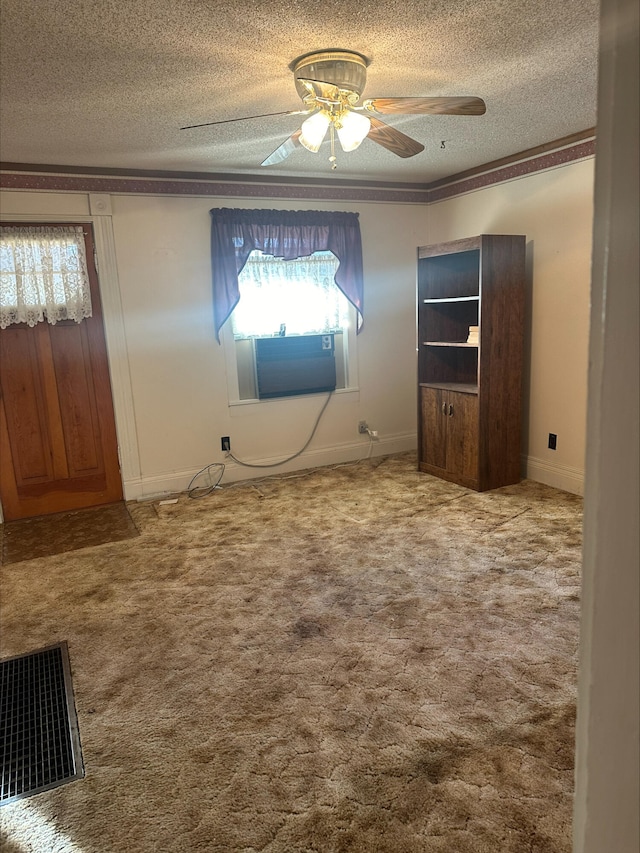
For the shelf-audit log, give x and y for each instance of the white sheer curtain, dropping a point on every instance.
(43, 274)
(300, 295)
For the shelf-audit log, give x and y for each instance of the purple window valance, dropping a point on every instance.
(287, 234)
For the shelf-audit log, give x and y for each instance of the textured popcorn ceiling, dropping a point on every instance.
(109, 83)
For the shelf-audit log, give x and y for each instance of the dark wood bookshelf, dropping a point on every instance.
(470, 394)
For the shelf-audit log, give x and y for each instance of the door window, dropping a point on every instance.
(43, 274)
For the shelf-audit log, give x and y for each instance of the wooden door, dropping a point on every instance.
(462, 436)
(58, 446)
(434, 427)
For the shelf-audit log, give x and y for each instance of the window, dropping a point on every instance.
(289, 298)
(43, 274)
(284, 274)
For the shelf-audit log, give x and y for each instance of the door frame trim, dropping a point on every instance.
(115, 338)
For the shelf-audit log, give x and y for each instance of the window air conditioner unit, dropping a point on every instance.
(300, 364)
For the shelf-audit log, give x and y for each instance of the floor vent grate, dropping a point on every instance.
(39, 729)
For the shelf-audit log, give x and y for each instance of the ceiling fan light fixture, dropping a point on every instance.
(352, 129)
(313, 131)
(330, 83)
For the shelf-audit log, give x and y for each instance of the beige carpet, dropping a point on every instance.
(362, 659)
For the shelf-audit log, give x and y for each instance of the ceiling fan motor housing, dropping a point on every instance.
(342, 68)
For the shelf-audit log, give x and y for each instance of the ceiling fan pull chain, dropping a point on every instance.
(332, 159)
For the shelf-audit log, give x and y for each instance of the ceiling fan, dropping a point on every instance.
(330, 83)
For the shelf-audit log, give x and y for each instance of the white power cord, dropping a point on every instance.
(230, 455)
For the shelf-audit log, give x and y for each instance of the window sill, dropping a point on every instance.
(355, 392)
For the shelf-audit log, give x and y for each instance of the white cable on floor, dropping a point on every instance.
(203, 491)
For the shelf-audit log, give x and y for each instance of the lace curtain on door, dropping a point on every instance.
(43, 274)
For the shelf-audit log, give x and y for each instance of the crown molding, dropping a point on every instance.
(24, 179)
(578, 146)
(528, 154)
(52, 178)
(216, 177)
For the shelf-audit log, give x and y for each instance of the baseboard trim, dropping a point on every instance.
(160, 485)
(560, 476)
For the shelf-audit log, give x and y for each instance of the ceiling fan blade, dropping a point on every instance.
(282, 151)
(246, 118)
(321, 89)
(456, 106)
(393, 140)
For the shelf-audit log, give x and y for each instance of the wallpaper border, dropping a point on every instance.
(15, 176)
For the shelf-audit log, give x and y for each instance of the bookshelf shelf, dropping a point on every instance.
(454, 299)
(449, 344)
(462, 387)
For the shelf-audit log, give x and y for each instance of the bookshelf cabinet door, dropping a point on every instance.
(462, 435)
(434, 427)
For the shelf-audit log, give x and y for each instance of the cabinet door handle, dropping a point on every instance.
(450, 410)
(444, 408)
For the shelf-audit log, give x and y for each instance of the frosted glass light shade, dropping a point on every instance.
(314, 130)
(354, 129)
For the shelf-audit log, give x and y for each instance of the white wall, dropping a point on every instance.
(606, 815)
(554, 210)
(176, 371)
(168, 373)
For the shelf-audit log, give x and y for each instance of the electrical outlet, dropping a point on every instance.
(553, 440)
(225, 443)
(363, 429)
